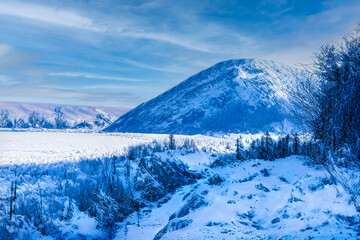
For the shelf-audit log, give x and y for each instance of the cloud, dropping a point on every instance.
(111, 86)
(12, 58)
(168, 68)
(5, 79)
(336, 16)
(193, 37)
(94, 76)
(275, 8)
(183, 41)
(61, 95)
(47, 14)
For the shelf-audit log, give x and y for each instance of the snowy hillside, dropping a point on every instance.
(243, 95)
(72, 113)
(284, 199)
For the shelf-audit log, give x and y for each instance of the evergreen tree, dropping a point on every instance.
(287, 146)
(262, 148)
(252, 152)
(269, 151)
(338, 122)
(279, 148)
(296, 143)
(239, 150)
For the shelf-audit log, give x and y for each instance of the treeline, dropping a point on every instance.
(36, 120)
(268, 148)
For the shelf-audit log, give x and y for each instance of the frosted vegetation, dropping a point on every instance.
(56, 120)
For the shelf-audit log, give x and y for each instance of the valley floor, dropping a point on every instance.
(24, 147)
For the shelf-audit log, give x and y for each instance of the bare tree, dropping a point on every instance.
(34, 119)
(59, 119)
(304, 100)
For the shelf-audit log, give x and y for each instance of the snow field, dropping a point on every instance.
(62, 146)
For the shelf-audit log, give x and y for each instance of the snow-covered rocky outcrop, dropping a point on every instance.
(244, 95)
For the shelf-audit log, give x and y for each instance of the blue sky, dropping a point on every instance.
(122, 53)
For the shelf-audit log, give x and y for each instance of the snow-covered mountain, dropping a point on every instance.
(244, 95)
(72, 113)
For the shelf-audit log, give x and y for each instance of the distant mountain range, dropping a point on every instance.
(243, 95)
(73, 114)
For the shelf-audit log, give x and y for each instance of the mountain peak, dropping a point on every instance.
(239, 95)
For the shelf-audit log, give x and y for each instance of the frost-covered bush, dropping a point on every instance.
(48, 199)
(5, 121)
(102, 120)
(189, 146)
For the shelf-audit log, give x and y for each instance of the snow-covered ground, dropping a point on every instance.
(22, 147)
(283, 199)
(287, 198)
(51, 147)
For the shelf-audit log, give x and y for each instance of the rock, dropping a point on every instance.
(215, 180)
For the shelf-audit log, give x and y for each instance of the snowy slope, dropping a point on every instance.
(284, 199)
(72, 113)
(244, 95)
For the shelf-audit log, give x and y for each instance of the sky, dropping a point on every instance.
(122, 53)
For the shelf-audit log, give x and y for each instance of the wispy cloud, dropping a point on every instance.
(273, 8)
(336, 16)
(48, 14)
(10, 57)
(94, 76)
(129, 28)
(111, 86)
(183, 41)
(171, 68)
(38, 93)
(5, 79)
